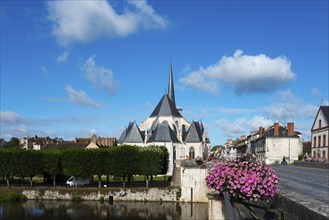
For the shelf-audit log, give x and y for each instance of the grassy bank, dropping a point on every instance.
(12, 196)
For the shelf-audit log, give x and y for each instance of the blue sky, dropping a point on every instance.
(74, 68)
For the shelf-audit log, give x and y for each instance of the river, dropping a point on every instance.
(86, 210)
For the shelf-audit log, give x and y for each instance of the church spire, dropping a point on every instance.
(171, 92)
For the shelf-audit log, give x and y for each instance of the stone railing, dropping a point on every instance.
(319, 165)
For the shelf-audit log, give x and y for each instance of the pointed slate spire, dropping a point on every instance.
(171, 92)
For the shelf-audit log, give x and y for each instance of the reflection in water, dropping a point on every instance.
(50, 210)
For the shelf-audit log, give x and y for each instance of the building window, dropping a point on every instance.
(182, 153)
(191, 153)
(174, 154)
(319, 140)
(324, 140)
(314, 142)
(324, 154)
(314, 153)
(319, 123)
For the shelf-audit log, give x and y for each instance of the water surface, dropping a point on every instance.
(62, 210)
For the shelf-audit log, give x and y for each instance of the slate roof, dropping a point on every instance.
(194, 133)
(325, 110)
(123, 136)
(283, 132)
(133, 134)
(165, 107)
(163, 133)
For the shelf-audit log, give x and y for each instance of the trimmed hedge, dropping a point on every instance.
(124, 161)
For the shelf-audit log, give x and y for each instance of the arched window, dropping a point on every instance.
(191, 153)
(174, 154)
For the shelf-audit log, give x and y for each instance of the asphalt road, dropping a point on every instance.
(309, 182)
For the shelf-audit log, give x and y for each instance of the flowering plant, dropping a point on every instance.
(243, 178)
(198, 158)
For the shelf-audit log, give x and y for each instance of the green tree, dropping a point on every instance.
(13, 143)
(76, 162)
(51, 160)
(97, 163)
(7, 163)
(126, 161)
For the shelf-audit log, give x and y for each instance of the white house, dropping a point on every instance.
(276, 142)
(167, 127)
(320, 134)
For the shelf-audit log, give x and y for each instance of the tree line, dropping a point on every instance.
(124, 161)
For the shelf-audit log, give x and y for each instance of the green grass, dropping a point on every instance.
(12, 197)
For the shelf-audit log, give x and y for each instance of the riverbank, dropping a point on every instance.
(169, 194)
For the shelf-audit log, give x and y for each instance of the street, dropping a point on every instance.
(309, 182)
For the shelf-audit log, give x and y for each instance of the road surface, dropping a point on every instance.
(309, 182)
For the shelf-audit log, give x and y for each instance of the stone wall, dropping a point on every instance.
(193, 184)
(299, 207)
(170, 194)
(312, 164)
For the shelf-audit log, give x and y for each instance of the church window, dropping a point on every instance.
(191, 153)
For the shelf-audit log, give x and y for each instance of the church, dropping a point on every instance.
(167, 127)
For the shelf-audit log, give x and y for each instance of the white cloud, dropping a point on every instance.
(85, 21)
(232, 129)
(63, 58)
(99, 76)
(258, 121)
(199, 82)
(11, 118)
(290, 108)
(80, 97)
(44, 70)
(246, 73)
(242, 126)
(315, 92)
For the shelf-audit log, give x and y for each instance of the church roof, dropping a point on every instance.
(171, 90)
(132, 134)
(165, 107)
(194, 133)
(163, 133)
(122, 136)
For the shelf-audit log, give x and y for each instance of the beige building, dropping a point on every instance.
(276, 142)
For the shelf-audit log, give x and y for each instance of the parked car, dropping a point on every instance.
(80, 181)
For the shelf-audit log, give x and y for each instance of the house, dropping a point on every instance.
(35, 143)
(276, 142)
(87, 143)
(320, 134)
(101, 142)
(167, 127)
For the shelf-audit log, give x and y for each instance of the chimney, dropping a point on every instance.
(260, 131)
(276, 129)
(291, 128)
